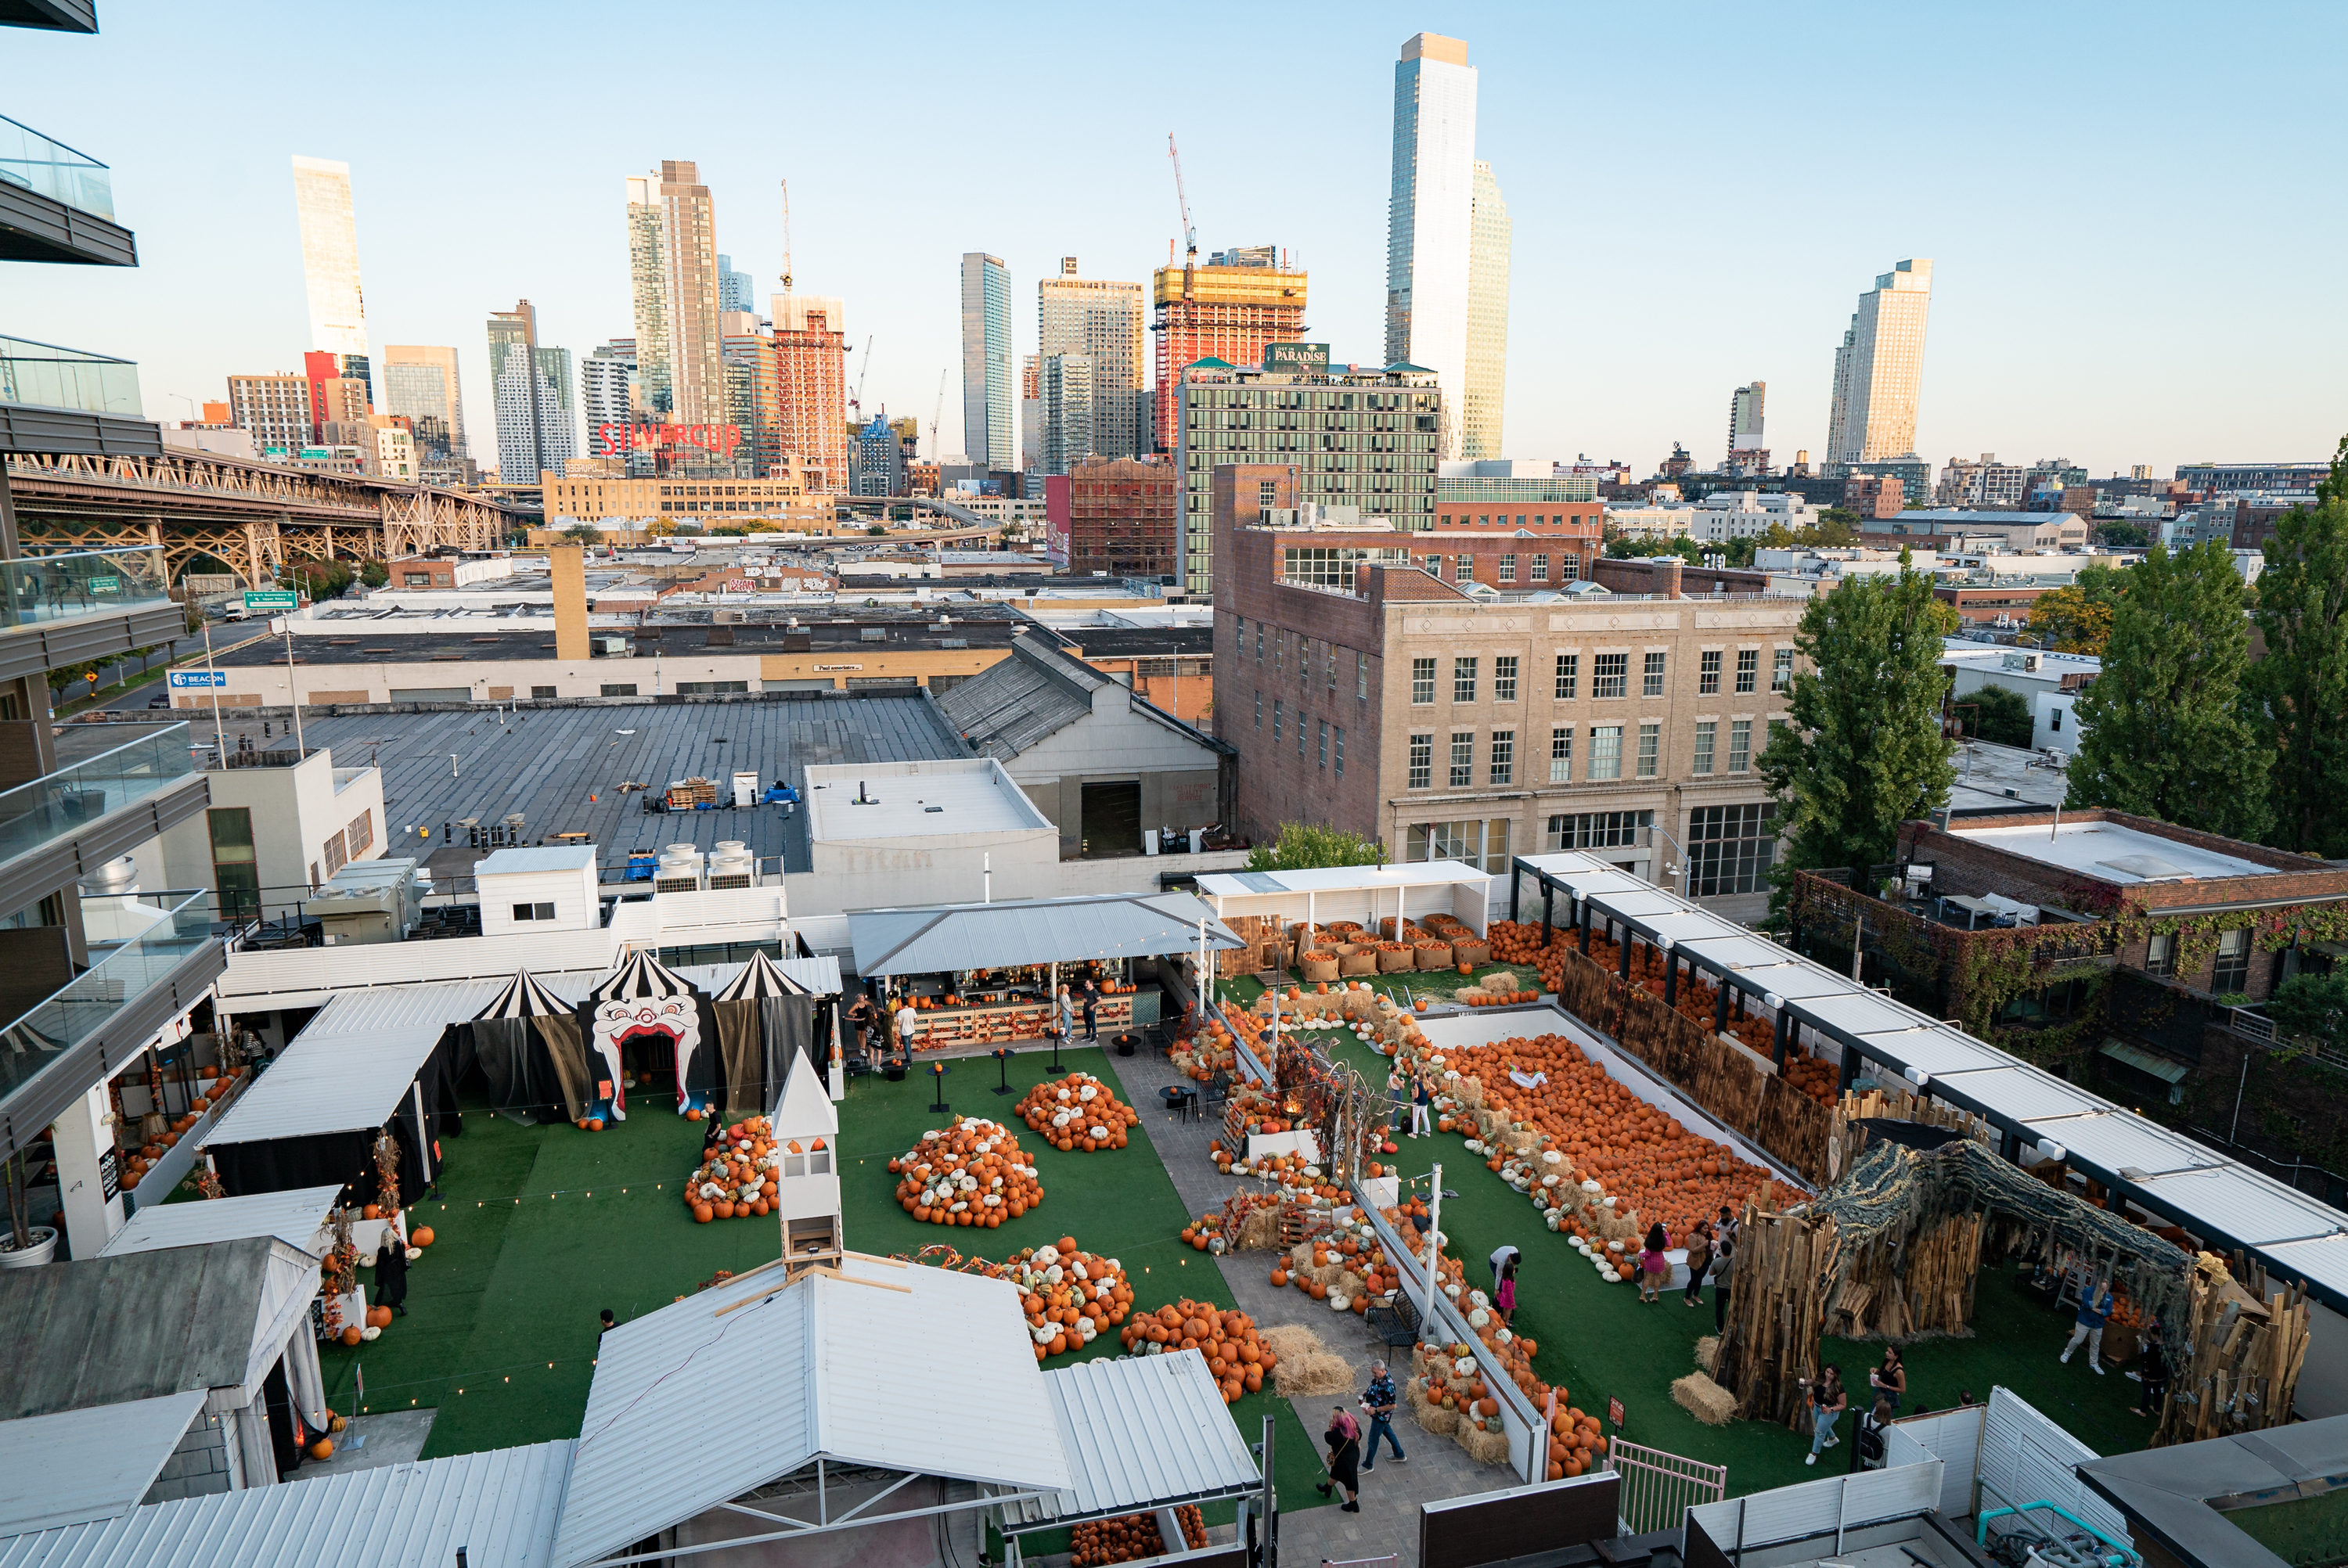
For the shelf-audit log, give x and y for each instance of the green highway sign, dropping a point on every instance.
(268, 600)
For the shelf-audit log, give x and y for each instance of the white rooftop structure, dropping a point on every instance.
(951, 799)
(544, 858)
(296, 1217)
(848, 1366)
(1412, 889)
(2112, 852)
(500, 1505)
(96, 1463)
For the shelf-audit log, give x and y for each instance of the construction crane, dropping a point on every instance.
(1189, 234)
(787, 236)
(856, 401)
(937, 411)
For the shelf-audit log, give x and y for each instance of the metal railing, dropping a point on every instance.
(181, 925)
(48, 808)
(1659, 1488)
(47, 166)
(47, 377)
(38, 588)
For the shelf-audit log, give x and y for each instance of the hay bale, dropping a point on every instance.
(1300, 1259)
(1292, 1342)
(1501, 981)
(1439, 1419)
(1707, 1353)
(1474, 996)
(1258, 1231)
(1484, 1447)
(1349, 1285)
(1704, 1399)
(1313, 1374)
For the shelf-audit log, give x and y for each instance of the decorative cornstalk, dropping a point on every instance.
(387, 1173)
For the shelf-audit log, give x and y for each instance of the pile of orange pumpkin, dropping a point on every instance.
(1070, 1296)
(737, 1180)
(1078, 1111)
(1131, 1537)
(1646, 1161)
(216, 1092)
(971, 1174)
(1237, 1356)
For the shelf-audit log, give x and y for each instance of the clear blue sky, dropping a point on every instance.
(2132, 209)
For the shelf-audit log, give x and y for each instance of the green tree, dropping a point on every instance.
(2301, 684)
(1302, 846)
(1999, 717)
(582, 534)
(1862, 750)
(2166, 730)
(2078, 618)
(1834, 528)
(1640, 549)
(2122, 536)
(2312, 1007)
(374, 573)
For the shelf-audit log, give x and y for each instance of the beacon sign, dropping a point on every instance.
(614, 440)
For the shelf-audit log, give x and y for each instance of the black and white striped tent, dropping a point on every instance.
(763, 1019)
(530, 1047)
(648, 1013)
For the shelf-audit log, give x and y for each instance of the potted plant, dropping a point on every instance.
(26, 1246)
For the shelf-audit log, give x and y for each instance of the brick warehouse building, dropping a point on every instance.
(1365, 692)
(1115, 516)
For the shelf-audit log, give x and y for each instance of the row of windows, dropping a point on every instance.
(1304, 656)
(1603, 759)
(1329, 746)
(1610, 675)
(1463, 568)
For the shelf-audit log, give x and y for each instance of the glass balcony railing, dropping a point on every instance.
(47, 377)
(81, 791)
(37, 588)
(53, 169)
(180, 928)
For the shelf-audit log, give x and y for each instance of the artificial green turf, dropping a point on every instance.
(1600, 1342)
(537, 1228)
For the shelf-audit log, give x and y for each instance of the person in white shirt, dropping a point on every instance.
(908, 1026)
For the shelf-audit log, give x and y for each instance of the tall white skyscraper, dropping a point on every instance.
(1431, 218)
(530, 383)
(990, 436)
(648, 291)
(1879, 368)
(1100, 322)
(330, 263)
(1486, 392)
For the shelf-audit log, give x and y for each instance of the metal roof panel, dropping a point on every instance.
(984, 935)
(1142, 1431)
(295, 1217)
(74, 1466)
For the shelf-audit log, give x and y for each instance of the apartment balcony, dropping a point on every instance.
(62, 611)
(88, 1029)
(107, 795)
(57, 204)
(64, 400)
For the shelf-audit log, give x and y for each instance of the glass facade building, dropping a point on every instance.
(1487, 387)
(1879, 369)
(989, 433)
(1430, 216)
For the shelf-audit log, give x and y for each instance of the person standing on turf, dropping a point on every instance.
(1421, 1102)
(1092, 1010)
(1724, 1264)
(1699, 1259)
(2095, 1310)
(1379, 1400)
(1827, 1403)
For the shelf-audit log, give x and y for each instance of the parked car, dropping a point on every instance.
(159, 700)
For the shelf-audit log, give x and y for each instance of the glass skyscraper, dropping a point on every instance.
(989, 433)
(1486, 384)
(330, 265)
(537, 421)
(1430, 218)
(1879, 369)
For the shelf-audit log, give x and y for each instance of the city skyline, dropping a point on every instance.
(1623, 346)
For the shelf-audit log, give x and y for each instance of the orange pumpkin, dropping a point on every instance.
(423, 1237)
(703, 1213)
(352, 1336)
(323, 1450)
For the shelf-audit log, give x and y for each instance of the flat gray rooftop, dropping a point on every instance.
(562, 766)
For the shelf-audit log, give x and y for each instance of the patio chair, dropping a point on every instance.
(1397, 1325)
(1219, 1091)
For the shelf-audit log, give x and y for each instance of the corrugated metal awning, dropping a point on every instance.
(2143, 1060)
(295, 1217)
(93, 1463)
(500, 1505)
(1141, 1432)
(1038, 931)
(331, 1084)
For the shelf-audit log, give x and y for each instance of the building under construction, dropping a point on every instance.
(1227, 309)
(811, 387)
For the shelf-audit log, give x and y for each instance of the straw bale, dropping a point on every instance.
(1501, 981)
(1707, 1352)
(1310, 1374)
(1440, 1419)
(1258, 1231)
(1474, 996)
(1484, 1447)
(1349, 1285)
(1704, 1399)
(1300, 1259)
(1292, 1342)
(1468, 1092)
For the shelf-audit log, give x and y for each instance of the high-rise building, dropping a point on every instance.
(1879, 367)
(752, 396)
(1431, 217)
(811, 387)
(607, 394)
(648, 291)
(1100, 321)
(276, 410)
(1485, 396)
(1748, 444)
(989, 437)
(879, 458)
(1362, 437)
(530, 382)
(420, 382)
(1030, 412)
(1067, 384)
(330, 263)
(1120, 517)
(735, 291)
(1228, 310)
(339, 411)
(689, 262)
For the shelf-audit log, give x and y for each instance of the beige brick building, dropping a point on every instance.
(1479, 725)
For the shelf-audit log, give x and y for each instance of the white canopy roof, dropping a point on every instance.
(295, 1217)
(91, 1463)
(500, 1505)
(1141, 1431)
(329, 1081)
(2297, 1235)
(937, 937)
(849, 1368)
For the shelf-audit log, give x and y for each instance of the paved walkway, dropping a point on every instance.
(1391, 1495)
(369, 1442)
